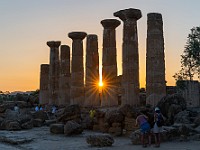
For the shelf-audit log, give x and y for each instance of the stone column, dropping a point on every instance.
(44, 83)
(130, 56)
(64, 80)
(92, 72)
(109, 62)
(77, 70)
(54, 71)
(155, 60)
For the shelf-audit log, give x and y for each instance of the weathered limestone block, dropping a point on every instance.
(135, 137)
(96, 127)
(64, 80)
(40, 115)
(49, 122)
(130, 60)
(129, 124)
(77, 69)
(116, 124)
(27, 125)
(24, 117)
(54, 68)
(71, 112)
(13, 125)
(72, 127)
(44, 84)
(182, 117)
(197, 120)
(104, 127)
(100, 140)
(155, 60)
(37, 122)
(114, 116)
(116, 131)
(57, 128)
(190, 91)
(109, 68)
(92, 72)
(170, 105)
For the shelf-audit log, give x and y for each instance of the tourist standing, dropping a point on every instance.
(157, 128)
(142, 121)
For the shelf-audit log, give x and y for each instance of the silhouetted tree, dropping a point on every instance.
(190, 59)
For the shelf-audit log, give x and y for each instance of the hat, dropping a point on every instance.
(157, 109)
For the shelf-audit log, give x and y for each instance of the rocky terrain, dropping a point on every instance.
(71, 126)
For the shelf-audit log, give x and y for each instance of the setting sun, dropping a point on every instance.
(101, 84)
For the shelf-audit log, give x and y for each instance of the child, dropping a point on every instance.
(141, 120)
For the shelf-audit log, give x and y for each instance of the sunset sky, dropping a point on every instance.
(26, 26)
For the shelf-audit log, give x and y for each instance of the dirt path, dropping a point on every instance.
(44, 140)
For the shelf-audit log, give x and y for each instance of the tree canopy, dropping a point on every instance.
(190, 59)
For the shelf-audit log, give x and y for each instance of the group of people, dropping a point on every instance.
(143, 122)
(41, 108)
(38, 108)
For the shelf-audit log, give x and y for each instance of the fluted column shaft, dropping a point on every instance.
(77, 74)
(54, 71)
(64, 82)
(109, 69)
(92, 72)
(44, 83)
(130, 56)
(155, 59)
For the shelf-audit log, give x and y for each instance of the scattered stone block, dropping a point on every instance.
(101, 140)
(57, 128)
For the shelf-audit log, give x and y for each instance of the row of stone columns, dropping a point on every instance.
(55, 77)
(68, 89)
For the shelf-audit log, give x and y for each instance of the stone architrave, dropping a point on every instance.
(109, 61)
(92, 72)
(130, 56)
(64, 80)
(44, 84)
(77, 69)
(54, 71)
(155, 60)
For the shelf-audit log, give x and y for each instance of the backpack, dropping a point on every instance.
(160, 121)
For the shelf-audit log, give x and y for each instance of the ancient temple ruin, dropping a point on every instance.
(63, 81)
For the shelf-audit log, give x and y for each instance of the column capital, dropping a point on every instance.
(154, 16)
(65, 47)
(53, 44)
(127, 14)
(92, 37)
(110, 23)
(77, 35)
